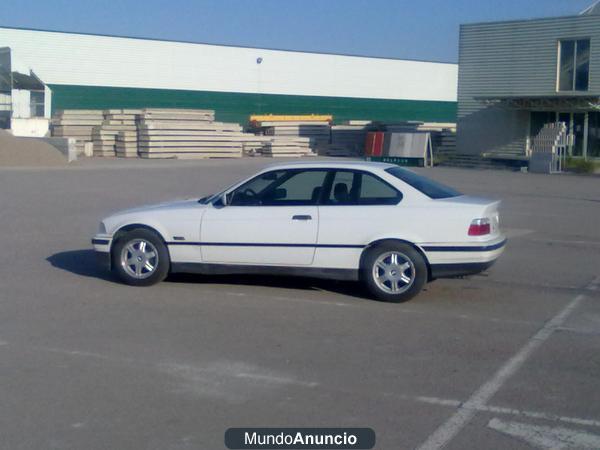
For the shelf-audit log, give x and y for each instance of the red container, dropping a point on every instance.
(374, 143)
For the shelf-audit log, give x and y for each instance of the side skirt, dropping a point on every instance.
(230, 269)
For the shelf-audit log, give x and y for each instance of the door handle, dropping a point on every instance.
(302, 217)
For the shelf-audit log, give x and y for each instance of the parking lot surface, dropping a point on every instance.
(507, 359)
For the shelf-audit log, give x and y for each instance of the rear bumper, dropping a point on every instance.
(459, 260)
(458, 270)
(481, 252)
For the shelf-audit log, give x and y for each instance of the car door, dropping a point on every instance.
(355, 206)
(272, 219)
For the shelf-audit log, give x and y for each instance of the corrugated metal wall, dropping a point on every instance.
(90, 60)
(513, 58)
(236, 107)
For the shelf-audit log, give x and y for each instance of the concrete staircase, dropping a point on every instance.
(469, 161)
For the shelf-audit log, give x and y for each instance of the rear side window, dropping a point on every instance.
(430, 188)
(360, 188)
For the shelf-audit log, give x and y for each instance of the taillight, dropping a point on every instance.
(480, 227)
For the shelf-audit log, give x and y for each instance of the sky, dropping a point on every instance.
(418, 29)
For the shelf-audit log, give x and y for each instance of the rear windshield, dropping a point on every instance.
(430, 188)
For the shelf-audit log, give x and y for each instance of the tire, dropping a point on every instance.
(394, 272)
(143, 249)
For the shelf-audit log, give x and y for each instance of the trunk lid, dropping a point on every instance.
(482, 208)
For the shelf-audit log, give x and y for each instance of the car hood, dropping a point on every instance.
(164, 206)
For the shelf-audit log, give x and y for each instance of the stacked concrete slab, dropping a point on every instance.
(187, 134)
(318, 133)
(77, 124)
(115, 121)
(347, 139)
(286, 147)
(127, 144)
(253, 144)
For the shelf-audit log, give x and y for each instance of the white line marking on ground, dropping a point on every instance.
(582, 331)
(84, 354)
(594, 285)
(547, 438)
(511, 411)
(543, 416)
(439, 401)
(275, 379)
(448, 430)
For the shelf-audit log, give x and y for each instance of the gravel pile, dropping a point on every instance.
(19, 151)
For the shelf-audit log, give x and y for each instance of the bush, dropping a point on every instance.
(579, 165)
(439, 159)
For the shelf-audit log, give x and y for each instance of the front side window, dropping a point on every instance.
(280, 188)
(360, 188)
(573, 65)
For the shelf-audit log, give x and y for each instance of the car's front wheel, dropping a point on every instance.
(394, 272)
(140, 258)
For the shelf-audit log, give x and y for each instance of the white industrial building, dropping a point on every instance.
(44, 71)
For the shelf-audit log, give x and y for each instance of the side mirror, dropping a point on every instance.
(221, 201)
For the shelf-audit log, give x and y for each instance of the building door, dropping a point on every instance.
(576, 131)
(593, 141)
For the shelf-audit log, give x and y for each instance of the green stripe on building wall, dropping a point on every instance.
(237, 107)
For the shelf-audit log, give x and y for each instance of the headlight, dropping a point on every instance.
(101, 228)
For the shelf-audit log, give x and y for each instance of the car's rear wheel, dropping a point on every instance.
(140, 258)
(394, 272)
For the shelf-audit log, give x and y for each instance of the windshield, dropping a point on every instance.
(430, 188)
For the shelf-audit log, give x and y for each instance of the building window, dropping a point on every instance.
(574, 65)
(37, 104)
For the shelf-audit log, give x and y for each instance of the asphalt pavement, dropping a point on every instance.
(506, 359)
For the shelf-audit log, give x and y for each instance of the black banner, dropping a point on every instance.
(300, 438)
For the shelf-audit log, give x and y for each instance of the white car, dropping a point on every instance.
(378, 223)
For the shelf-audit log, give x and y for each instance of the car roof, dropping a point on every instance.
(366, 165)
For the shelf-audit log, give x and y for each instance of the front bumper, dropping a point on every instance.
(101, 244)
